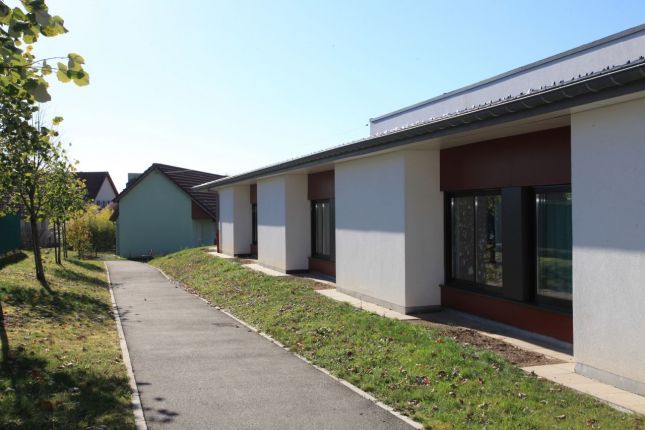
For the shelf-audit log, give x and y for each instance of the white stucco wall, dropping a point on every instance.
(298, 214)
(284, 240)
(106, 193)
(424, 246)
(608, 178)
(389, 231)
(235, 219)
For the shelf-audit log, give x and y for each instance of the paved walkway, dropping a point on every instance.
(197, 368)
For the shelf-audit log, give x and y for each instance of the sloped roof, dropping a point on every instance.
(185, 179)
(93, 182)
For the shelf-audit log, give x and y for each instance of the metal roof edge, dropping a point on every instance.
(596, 84)
(516, 71)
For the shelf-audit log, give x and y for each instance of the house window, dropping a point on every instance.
(553, 242)
(322, 229)
(254, 224)
(476, 238)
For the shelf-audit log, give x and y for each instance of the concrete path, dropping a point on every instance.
(197, 368)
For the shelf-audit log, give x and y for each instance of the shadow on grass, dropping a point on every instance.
(84, 265)
(72, 276)
(35, 396)
(55, 304)
(12, 259)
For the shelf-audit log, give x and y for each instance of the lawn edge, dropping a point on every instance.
(268, 337)
(135, 401)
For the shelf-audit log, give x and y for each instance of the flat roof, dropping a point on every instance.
(516, 71)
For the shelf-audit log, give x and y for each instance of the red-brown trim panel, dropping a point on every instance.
(527, 317)
(322, 266)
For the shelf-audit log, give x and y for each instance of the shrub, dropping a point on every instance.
(91, 230)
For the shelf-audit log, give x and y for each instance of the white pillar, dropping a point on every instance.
(284, 219)
(235, 219)
(389, 229)
(608, 203)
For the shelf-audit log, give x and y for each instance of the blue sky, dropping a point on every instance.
(230, 86)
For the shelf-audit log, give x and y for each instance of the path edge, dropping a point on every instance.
(414, 424)
(135, 401)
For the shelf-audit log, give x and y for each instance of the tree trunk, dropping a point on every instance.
(38, 260)
(58, 242)
(55, 229)
(65, 239)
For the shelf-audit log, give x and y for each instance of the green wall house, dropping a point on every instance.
(9, 233)
(9, 229)
(159, 212)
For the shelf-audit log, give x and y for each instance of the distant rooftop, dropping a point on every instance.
(93, 182)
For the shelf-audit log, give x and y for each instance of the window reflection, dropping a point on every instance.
(554, 244)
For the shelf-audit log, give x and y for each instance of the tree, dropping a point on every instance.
(21, 74)
(27, 152)
(31, 164)
(64, 195)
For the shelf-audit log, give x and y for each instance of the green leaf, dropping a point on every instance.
(46, 69)
(43, 18)
(81, 78)
(54, 28)
(61, 74)
(38, 89)
(75, 62)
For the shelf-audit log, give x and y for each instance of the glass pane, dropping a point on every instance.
(463, 255)
(554, 244)
(488, 225)
(322, 229)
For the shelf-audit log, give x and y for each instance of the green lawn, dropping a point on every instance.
(63, 366)
(419, 372)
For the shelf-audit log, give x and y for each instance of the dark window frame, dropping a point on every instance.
(254, 223)
(541, 300)
(474, 286)
(332, 230)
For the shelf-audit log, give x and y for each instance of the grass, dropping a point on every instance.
(431, 378)
(62, 366)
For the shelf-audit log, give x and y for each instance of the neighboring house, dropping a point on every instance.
(519, 199)
(9, 231)
(159, 212)
(100, 187)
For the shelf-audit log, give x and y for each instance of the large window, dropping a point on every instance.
(322, 229)
(553, 240)
(476, 238)
(254, 224)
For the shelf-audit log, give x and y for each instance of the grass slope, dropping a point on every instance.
(63, 368)
(434, 380)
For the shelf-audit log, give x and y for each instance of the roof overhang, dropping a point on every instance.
(612, 82)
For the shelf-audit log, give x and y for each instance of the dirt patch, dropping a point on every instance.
(246, 261)
(320, 286)
(465, 336)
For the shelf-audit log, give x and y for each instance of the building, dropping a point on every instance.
(9, 230)
(100, 188)
(159, 212)
(518, 199)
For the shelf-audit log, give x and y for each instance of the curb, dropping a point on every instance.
(352, 387)
(135, 402)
